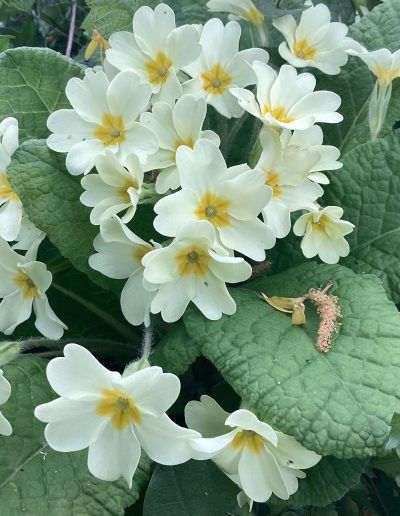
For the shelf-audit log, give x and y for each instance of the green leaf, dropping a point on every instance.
(390, 465)
(378, 29)
(50, 196)
(326, 482)
(368, 189)
(39, 481)
(338, 403)
(176, 352)
(194, 488)
(32, 85)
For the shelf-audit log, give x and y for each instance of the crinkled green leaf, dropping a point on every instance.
(326, 482)
(32, 85)
(177, 351)
(378, 29)
(368, 189)
(340, 403)
(50, 196)
(196, 488)
(38, 481)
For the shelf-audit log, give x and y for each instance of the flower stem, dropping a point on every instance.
(147, 342)
(71, 32)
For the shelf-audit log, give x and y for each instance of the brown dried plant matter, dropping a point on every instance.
(327, 307)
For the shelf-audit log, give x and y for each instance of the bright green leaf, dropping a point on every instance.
(38, 481)
(339, 403)
(32, 85)
(194, 488)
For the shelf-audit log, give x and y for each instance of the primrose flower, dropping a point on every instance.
(24, 282)
(28, 234)
(5, 391)
(230, 199)
(286, 173)
(221, 66)
(386, 67)
(10, 203)
(190, 270)
(180, 125)
(323, 234)
(241, 10)
(315, 41)
(104, 117)
(258, 458)
(113, 416)
(310, 140)
(119, 255)
(156, 50)
(114, 189)
(288, 100)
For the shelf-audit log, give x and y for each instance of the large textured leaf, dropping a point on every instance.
(51, 198)
(177, 351)
(378, 29)
(39, 481)
(32, 85)
(368, 189)
(340, 403)
(195, 488)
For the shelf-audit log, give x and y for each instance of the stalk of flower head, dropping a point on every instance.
(378, 106)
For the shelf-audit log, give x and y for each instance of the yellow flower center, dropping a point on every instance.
(247, 438)
(188, 142)
(320, 225)
(27, 286)
(303, 50)
(120, 407)
(272, 179)
(386, 76)
(279, 113)
(254, 16)
(158, 68)
(214, 209)
(141, 251)
(112, 130)
(216, 80)
(123, 191)
(6, 189)
(193, 259)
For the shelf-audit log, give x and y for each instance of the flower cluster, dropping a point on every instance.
(139, 121)
(116, 416)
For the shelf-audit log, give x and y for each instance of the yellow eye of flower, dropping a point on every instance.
(140, 252)
(158, 68)
(112, 130)
(216, 80)
(188, 142)
(28, 287)
(214, 209)
(279, 113)
(303, 50)
(272, 179)
(193, 260)
(247, 438)
(255, 17)
(6, 189)
(120, 407)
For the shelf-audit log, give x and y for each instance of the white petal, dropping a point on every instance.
(206, 416)
(250, 238)
(172, 299)
(10, 220)
(5, 388)
(116, 453)
(14, 310)
(135, 299)
(78, 374)
(69, 129)
(292, 454)
(5, 427)
(164, 441)
(248, 421)
(256, 475)
(47, 322)
(212, 297)
(189, 126)
(88, 96)
(128, 96)
(82, 156)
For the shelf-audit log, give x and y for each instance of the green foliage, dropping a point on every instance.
(35, 479)
(176, 351)
(194, 488)
(39, 76)
(51, 198)
(339, 403)
(368, 189)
